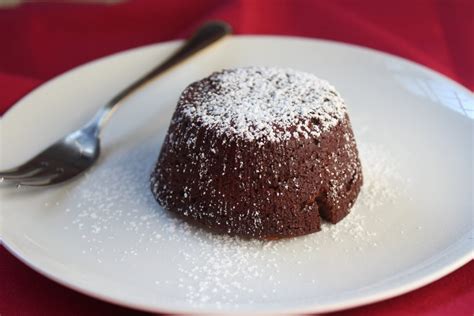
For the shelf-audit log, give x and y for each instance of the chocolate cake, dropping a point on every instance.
(259, 152)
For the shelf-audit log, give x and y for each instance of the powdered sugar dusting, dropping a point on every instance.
(380, 172)
(116, 216)
(263, 103)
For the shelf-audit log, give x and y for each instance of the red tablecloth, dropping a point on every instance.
(39, 41)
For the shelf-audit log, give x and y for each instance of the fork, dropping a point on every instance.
(79, 150)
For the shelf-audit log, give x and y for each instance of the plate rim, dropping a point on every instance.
(233, 37)
(416, 283)
(461, 245)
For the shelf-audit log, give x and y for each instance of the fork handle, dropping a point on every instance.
(206, 35)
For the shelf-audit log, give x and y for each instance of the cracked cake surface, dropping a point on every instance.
(259, 152)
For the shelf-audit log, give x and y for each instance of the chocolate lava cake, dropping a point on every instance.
(259, 152)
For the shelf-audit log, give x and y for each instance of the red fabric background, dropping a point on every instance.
(39, 41)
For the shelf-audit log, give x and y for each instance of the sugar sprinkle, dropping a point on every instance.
(268, 103)
(214, 269)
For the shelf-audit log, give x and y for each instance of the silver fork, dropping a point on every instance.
(79, 150)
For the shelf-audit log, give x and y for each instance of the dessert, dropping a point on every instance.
(259, 152)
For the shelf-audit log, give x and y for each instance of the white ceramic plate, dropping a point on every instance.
(104, 235)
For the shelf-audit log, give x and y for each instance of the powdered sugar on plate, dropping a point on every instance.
(117, 214)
